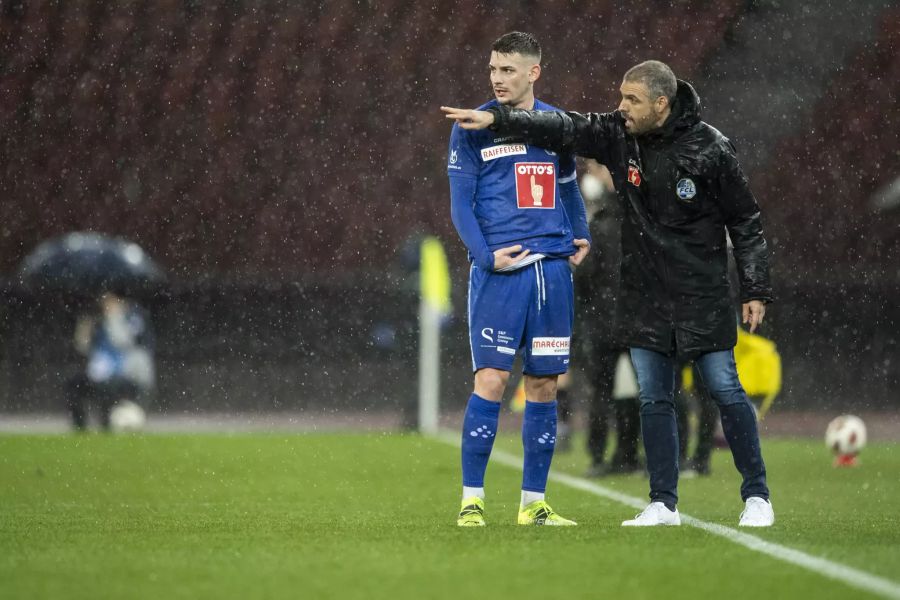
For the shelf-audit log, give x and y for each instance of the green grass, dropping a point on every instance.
(363, 516)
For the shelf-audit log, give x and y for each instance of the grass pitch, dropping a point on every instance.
(373, 516)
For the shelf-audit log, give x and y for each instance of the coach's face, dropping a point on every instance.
(512, 78)
(642, 114)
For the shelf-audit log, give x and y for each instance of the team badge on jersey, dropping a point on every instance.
(685, 189)
(535, 185)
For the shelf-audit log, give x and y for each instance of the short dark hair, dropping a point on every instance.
(657, 76)
(517, 41)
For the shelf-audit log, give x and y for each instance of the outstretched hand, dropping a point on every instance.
(469, 119)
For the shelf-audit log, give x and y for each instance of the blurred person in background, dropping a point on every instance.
(117, 344)
(518, 210)
(682, 189)
(597, 352)
(697, 400)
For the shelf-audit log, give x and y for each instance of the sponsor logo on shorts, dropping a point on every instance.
(502, 150)
(505, 350)
(550, 346)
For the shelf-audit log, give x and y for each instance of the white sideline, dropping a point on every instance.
(821, 566)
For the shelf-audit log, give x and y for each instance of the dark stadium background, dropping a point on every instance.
(280, 159)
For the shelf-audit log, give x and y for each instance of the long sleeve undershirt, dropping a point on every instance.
(570, 195)
(462, 211)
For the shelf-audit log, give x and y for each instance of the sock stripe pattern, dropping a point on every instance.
(538, 442)
(478, 434)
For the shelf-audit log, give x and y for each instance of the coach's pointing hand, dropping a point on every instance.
(469, 119)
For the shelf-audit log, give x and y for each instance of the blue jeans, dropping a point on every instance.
(656, 380)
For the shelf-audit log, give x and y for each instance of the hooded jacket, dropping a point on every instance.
(681, 190)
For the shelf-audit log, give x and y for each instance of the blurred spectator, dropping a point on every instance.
(118, 347)
(707, 420)
(597, 351)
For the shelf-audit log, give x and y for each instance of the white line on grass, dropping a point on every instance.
(821, 566)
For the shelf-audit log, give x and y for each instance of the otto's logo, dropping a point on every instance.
(534, 168)
(535, 185)
(550, 346)
(686, 189)
(634, 176)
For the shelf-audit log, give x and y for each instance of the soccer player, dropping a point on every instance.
(518, 210)
(682, 190)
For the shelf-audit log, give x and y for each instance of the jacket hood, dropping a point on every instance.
(694, 145)
(687, 103)
(685, 113)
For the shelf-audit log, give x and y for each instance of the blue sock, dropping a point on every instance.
(538, 441)
(478, 433)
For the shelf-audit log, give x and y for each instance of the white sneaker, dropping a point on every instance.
(655, 514)
(757, 513)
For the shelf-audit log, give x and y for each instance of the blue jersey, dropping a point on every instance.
(517, 197)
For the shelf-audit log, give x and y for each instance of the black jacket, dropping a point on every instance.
(681, 188)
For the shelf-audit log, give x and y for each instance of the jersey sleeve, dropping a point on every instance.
(462, 212)
(567, 168)
(462, 158)
(463, 166)
(570, 195)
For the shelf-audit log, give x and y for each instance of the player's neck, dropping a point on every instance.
(526, 103)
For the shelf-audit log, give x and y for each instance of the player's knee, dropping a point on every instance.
(490, 383)
(540, 389)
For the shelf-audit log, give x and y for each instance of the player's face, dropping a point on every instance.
(512, 79)
(642, 114)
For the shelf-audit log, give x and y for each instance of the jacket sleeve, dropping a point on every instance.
(591, 135)
(744, 225)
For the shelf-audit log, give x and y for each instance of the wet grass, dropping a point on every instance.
(372, 516)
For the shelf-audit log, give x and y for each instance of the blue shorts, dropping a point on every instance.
(529, 309)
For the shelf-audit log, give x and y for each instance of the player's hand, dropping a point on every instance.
(583, 247)
(504, 257)
(469, 119)
(753, 313)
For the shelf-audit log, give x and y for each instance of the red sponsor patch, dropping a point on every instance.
(536, 185)
(634, 176)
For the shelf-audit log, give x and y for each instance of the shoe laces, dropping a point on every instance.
(541, 510)
(653, 507)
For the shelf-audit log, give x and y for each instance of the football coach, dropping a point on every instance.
(684, 194)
